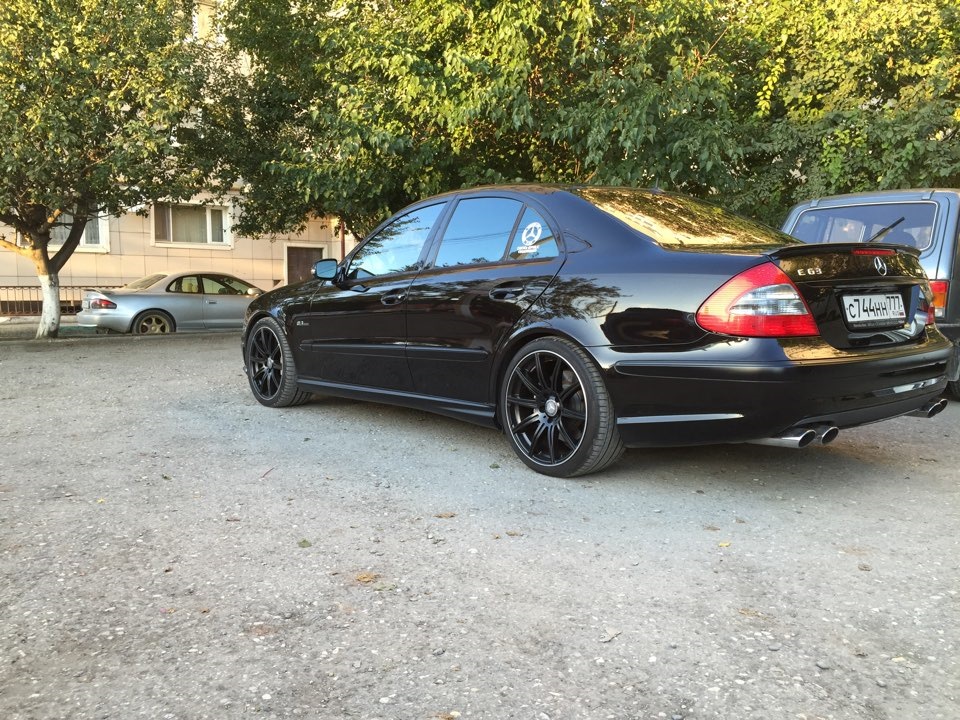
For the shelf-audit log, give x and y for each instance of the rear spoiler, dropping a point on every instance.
(802, 249)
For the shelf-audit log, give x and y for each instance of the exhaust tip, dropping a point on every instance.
(826, 434)
(930, 409)
(795, 438)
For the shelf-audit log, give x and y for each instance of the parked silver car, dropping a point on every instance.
(169, 302)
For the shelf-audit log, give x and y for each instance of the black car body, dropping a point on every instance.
(584, 319)
(926, 219)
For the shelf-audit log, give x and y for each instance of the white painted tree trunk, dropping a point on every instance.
(50, 317)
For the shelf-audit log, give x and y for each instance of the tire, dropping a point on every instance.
(270, 368)
(556, 412)
(153, 322)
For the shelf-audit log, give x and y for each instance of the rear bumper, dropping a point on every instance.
(695, 403)
(105, 320)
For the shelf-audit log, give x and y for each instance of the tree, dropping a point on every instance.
(99, 100)
(853, 96)
(355, 108)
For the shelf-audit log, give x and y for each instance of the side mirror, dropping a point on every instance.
(254, 292)
(325, 269)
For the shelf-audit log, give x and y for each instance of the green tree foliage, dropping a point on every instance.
(854, 96)
(98, 101)
(354, 108)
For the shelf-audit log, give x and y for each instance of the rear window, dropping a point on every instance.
(905, 223)
(145, 282)
(677, 221)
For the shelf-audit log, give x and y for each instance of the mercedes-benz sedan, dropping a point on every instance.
(582, 320)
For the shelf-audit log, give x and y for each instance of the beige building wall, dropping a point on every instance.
(133, 252)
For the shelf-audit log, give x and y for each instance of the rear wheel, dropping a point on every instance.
(270, 367)
(556, 412)
(153, 322)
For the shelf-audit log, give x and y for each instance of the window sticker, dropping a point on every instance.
(531, 235)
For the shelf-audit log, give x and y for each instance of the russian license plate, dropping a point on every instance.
(874, 310)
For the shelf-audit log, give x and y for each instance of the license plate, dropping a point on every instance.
(874, 310)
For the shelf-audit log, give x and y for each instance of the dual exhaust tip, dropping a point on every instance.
(801, 437)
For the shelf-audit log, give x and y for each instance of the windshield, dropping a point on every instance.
(677, 221)
(145, 282)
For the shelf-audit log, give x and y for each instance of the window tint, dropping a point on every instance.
(223, 285)
(397, 247)
(185, 284)
(912, 223)
(533, 238)
(478, 232)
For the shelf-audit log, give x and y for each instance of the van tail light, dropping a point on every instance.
(939, 288)
(759, 302)
(102, 304)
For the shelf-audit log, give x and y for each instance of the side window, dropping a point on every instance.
(224, 285)
(185, 284)
(478, 231)
(396, 248)
(533, 239)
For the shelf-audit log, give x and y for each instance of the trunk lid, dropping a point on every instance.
(860, 295)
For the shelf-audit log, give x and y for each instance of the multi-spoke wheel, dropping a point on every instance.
(153, 322)
(556, 411)
(270, 367)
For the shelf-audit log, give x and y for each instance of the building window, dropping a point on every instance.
(95, 238)
(190, 224)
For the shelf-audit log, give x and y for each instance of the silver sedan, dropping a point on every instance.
(169, 302)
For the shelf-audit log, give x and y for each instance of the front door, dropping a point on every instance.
(355, 332)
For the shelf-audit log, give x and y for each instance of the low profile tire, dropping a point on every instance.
(270, 367)
(153, 322)
(556, 412)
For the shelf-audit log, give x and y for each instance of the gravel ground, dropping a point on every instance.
(170, 549)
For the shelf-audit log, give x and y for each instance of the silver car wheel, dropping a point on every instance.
(153, 322)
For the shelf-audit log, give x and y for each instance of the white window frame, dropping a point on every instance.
(225, 244)
(103, 229)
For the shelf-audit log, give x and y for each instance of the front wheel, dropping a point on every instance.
(270, 367)
(556, 412)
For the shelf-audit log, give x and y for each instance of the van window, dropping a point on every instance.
(909, 223)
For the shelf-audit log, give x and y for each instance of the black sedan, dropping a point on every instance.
(582, 320)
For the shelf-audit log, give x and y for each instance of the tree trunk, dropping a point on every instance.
(50, 317)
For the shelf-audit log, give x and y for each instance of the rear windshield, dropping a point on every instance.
(145, 282)
(677, 221)
(906, 223)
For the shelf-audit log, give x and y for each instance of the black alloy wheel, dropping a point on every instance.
(270, 367)
(556, 411)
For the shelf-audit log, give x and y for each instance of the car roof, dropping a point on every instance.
(907, 195)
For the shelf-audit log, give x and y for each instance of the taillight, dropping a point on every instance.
(102, 304)
(885, 252)
(760, 302)
(939, 288)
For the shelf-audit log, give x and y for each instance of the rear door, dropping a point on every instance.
(495, 257)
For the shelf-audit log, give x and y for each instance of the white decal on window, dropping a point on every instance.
(532, 233)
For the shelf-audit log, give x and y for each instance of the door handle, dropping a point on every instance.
(506, 291)
(393, 298)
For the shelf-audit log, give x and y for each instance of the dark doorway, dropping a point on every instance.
(300, 262)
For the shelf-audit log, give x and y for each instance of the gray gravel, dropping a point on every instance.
(170, 549)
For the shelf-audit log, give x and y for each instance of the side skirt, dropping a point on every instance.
(477, 413)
